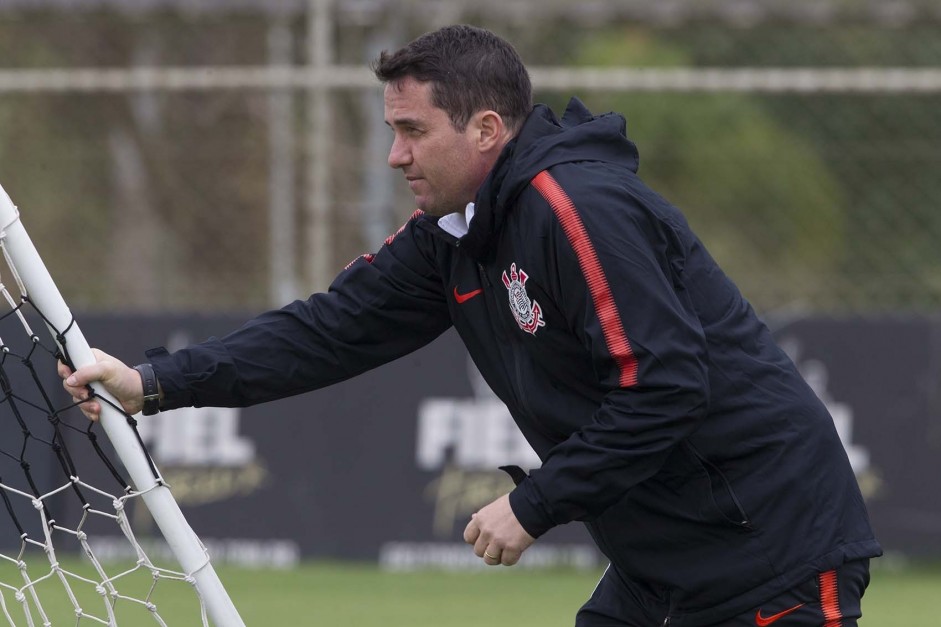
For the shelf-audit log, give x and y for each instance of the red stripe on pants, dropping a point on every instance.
(830, 600)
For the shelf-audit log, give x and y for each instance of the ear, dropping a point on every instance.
(491, 131)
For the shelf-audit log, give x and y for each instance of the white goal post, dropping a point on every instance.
(36, 283)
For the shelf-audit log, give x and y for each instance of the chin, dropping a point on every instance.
(436, 209)
(432, 210)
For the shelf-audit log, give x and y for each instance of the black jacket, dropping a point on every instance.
(664, 413)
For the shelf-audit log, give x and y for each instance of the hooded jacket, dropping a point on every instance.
(666, 417)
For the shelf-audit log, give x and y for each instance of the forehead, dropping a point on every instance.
(409, 98)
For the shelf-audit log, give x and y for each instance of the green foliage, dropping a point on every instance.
(822, 201)
(157, 199)
(881, 150)
(760, 196)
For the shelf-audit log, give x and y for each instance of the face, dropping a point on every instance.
(444, 167)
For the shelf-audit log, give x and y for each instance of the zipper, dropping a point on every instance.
(499, 327)
(483, 275)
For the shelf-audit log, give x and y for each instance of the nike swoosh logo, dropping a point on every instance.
(764, 621)
(463, 298)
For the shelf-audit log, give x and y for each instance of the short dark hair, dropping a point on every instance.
(470, 69)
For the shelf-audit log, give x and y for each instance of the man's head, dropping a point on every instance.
(454, 98)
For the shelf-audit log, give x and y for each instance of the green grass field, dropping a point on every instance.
(363, 596)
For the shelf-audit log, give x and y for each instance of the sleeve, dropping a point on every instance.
(379, 308)
(619, 268)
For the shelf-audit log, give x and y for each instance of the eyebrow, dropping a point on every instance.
(403, 122)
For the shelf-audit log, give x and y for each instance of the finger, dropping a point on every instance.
(64, 371)
(85, 403)
(480, 547)
(492, 556)
(471, 531)
(91, 409)
(80, 378)
(86, 374)
(509, 557)
(79, 392)
(81, 396)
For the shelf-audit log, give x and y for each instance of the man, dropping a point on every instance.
(666, 417)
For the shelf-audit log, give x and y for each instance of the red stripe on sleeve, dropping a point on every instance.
(614, 335)
(369, 257)
(830, 600)
(416, 214)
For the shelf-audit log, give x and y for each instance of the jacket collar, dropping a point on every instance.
(543, 141)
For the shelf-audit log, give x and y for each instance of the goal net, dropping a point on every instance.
(61, 482)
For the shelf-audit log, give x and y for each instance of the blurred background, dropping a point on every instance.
(182, 164)
(214, 155)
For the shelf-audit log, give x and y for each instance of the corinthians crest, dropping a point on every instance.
(527, 312)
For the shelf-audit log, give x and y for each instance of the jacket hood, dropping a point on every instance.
(544, 142)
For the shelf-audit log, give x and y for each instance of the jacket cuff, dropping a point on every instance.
(530, 509)
(172, 382)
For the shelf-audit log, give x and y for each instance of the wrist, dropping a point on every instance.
(151, 389)
(529, 510)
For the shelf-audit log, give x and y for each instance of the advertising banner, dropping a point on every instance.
(389, 466)
(881, 380)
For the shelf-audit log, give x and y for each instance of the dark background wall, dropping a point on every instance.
(389, 466)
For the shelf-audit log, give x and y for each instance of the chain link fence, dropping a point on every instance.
(201, 198)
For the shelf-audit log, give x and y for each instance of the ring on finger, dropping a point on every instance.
(493, 557)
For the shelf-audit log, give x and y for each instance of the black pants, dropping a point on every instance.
(831, 599)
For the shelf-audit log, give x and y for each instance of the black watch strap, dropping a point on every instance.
(151, 391)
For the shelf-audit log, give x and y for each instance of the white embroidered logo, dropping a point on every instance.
(527, 312)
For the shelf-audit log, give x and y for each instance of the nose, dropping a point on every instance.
(399, 155)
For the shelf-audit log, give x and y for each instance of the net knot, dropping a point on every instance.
(118, 505)
(100, 589)
(20, 597)
(150, 606)
(79, 612)
(37, 503)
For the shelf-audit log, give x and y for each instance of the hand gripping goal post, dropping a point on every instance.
(19, 601)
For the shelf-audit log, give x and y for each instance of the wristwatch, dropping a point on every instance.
(151, 390)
